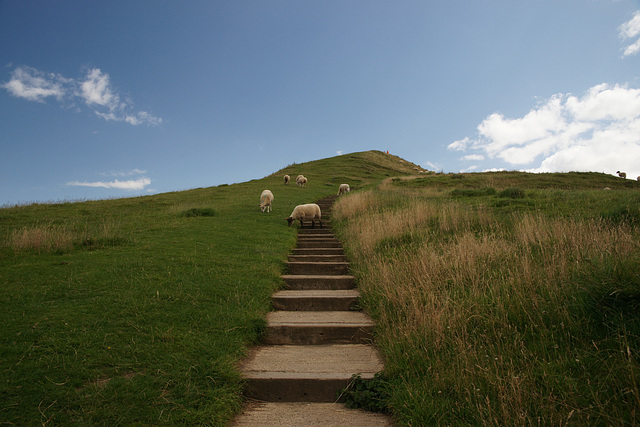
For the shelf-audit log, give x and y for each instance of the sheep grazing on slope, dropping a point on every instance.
(301, 181)
(309, 212)
(265, 200)
(286, 179)
(622, 174)
(343, 189)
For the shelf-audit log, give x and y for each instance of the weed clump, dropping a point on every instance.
(473, 192)
(368, 394)
(623, 214)
(512, 193)
(198, 212)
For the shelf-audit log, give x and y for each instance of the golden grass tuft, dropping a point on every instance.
(49, 237)
(41, 238)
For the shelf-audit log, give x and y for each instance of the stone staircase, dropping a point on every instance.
(315, 340)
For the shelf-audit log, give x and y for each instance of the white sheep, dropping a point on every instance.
(310, 211)
(343, 189)
(301, 181)
(286, 179)
(265, 200)
(622, 174)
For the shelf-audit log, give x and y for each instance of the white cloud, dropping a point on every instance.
(470, 169)
(473, 157)
(599, 131)
(460, 145)
(135, 184)
(630, 30)
(94, 89)
(34, 85)
(431, 166)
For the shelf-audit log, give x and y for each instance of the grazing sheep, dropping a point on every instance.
(265, 200)
(286, 179)
(310, 211)
(622, 174)
(301, 181)
(343, 189)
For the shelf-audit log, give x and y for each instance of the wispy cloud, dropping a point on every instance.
(34, 85)
(630, 30)
(599, 131)
(135, 184)
(473, 157)
(94, 89)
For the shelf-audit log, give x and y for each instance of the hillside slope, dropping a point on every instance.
(137, 310)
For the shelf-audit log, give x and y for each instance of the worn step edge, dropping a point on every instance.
(318, 258)
(318, 282)
(295, 389)
(315, 300)
(317, 327)
(320, 244)
(318, 251)
(290, 414)
(315, 231)
(318, 268)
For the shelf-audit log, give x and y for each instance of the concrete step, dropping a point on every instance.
(313, 231)
(313, 236)
(317, 327)
(342, 300)
(326, 223)
(285, 373)
(318, 268)
(319, 243)
(324, 240)
(317, 258)
(309, 282)
(318, 251)
(296, 414)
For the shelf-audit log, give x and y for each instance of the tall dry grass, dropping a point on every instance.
(488, 320)
(49, 237)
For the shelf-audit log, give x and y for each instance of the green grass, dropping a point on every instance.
(137, 311)
(502, 298)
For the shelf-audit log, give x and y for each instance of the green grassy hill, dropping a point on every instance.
(137, 311)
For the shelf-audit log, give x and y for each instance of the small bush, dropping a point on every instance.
(198, 212)
(627, 214)
(512, 193)
(473, 192)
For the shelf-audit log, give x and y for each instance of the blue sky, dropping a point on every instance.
(127, 98)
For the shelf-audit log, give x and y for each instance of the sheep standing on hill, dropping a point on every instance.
(286, 179)
(310, 211)
(301, 181)
(343, 189)
(622, 174)
(265, 200)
